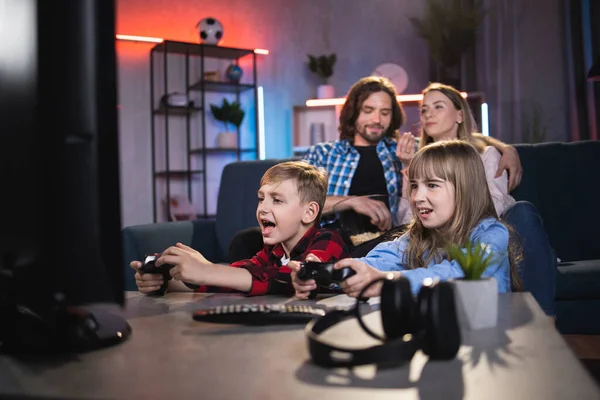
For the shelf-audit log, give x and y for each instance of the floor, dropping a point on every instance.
(587, 349)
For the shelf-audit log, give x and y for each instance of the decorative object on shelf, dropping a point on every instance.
(211, 76)
(176, 99)
(228, 113)
(449, 28)
(395, 73)
(180, 209)
(323, 67)
(234, 72)
(210, 30)
(476, 297)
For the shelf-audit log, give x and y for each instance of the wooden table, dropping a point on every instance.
(169, 355)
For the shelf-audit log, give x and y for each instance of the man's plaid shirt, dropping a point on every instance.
(340, 159)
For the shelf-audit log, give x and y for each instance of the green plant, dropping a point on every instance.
(449, 27)
(228, 113)
(473, 261)
(534, 129)
(322, 65)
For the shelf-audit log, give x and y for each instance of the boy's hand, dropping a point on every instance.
(189, 265)
(364, 275)
(146, 283)
(302, 288)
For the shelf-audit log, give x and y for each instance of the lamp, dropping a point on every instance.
(594, 74)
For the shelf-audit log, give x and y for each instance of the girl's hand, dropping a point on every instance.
(146, 283)
(302, 288)
(365, 274)
(189, 265)
(405, 149)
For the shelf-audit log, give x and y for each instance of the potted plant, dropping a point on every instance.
(449, 27)
(228, 113)
(323, 67)
(476, 297)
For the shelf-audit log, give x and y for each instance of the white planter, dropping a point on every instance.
(476, 303)
(325, 92)
(227, 140)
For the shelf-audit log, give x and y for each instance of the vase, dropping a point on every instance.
(227, 140)
(476, 303)
(325, 92)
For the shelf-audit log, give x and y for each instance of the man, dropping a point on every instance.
(362, 165)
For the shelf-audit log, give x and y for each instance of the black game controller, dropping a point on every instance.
(149, 267)
(323, 274)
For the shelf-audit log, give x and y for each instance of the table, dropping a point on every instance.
(169, 355)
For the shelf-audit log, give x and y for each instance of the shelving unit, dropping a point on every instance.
(183, 70)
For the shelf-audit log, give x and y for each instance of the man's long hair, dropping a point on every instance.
(354, 100)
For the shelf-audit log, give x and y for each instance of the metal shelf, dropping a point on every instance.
(221, 87)
(197, 49)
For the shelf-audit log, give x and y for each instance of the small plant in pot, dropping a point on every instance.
(476, 297)
(228, 113)
(323, 67)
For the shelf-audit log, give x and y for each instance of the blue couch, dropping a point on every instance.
(560, 180)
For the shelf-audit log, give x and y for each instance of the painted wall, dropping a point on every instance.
(364, 34)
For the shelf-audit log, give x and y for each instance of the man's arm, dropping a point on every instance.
(509, 161)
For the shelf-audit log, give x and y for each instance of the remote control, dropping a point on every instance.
(323, 274)
(259, 314)
(149, 267)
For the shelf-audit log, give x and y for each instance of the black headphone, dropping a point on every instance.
(428, 323)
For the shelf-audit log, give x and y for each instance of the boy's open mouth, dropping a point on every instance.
(267, 226)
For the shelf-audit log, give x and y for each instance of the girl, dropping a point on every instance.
(448, 194)
(445, 115)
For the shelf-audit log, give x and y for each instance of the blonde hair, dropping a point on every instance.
(468, 124)
(311, 181)
(458, 163)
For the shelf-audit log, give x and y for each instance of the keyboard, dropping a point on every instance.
(259, 314)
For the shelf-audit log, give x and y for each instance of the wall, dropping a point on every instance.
(364, 34)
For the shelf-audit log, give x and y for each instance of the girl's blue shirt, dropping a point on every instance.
(389, 256)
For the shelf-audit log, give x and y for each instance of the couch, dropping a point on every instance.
(559, 179)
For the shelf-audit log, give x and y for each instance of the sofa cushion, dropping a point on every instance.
(560, 179)
(578, 280)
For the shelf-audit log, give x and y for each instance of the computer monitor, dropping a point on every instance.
(61, 278)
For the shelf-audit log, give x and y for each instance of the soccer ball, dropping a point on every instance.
(210, 30)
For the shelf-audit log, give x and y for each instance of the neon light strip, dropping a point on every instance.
(148, 39)
(133, 38)
(485, 123)
(341, 100)
(261, 124)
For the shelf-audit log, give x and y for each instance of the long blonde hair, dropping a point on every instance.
(468, 125)
(458, 163)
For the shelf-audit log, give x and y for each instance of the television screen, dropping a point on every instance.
(60, 247)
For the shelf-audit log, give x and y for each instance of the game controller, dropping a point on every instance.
(324, 274)
(149, 267)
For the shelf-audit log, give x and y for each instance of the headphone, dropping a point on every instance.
(428, 322)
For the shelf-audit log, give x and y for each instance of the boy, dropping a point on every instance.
(290, 202)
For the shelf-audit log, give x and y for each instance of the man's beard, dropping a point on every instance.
(372, 138)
